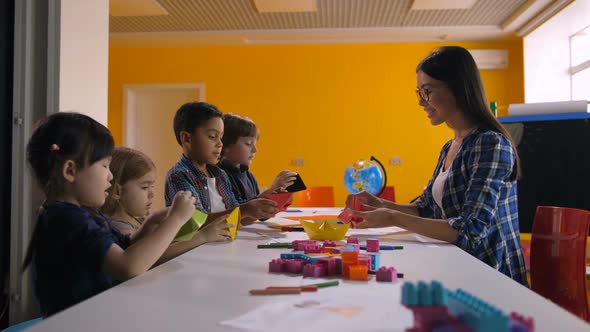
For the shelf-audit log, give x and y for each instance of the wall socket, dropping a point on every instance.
(395, 161)
(298, 161)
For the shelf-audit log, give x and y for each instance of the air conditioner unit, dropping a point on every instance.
(490, 59)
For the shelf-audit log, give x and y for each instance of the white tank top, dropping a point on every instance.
(438, 186)
(217, 204)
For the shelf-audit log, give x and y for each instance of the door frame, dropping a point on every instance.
(128, 108)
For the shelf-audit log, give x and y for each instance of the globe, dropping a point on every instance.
(368, 175)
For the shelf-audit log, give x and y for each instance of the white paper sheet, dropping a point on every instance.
(343, 308)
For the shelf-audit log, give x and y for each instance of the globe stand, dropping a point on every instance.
(384, 175)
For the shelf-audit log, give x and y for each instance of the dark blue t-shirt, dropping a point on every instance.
(69, 250)
(243, 182)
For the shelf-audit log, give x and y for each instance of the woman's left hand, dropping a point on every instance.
(375, 218)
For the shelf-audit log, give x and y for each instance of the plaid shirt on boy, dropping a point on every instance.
(479, 201)
(185, 176)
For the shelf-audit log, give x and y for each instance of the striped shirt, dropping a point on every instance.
(479, 201)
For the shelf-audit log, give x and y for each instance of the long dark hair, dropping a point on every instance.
(60, 137)
(455, 66)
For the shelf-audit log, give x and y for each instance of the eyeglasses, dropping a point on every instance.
(424, 93)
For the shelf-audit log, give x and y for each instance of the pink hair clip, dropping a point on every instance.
(54, 147)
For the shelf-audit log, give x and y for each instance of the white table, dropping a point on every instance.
(210, 284)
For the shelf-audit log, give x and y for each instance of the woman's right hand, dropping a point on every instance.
(366, 199)
(183, 206)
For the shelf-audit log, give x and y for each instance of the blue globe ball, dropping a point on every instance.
(364, 175)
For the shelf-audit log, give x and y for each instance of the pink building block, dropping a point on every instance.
(365, 260)
(314, 270)
(528, 322)
(276, 265)
(372, 245)
(429, 318)
(294, 265)
(388, 274)
(352, 239)
(314, 248)
(331, 265)
(328, 243)
(299, 245)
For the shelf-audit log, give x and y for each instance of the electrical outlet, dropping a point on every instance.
(298, 161)
(395, 161)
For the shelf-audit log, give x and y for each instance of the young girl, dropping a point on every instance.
(239, 147)
(130, 200)
(74, 252)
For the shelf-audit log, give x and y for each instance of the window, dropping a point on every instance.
(580, 64)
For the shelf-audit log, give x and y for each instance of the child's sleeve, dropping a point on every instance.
(87, 242)
(176, 182)
(228, 194)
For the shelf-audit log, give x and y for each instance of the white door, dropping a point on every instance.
(148, 124)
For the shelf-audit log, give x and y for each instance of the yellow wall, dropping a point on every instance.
(330, 104)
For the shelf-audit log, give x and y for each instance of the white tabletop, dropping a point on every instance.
(210, 284)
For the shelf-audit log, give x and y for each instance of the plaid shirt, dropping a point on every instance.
(479, 201)
(185, 176)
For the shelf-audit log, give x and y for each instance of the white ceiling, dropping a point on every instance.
(322, 21)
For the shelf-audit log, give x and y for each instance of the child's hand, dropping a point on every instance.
(183, 206)
(282, 181)
(216, 230)
(259, 208)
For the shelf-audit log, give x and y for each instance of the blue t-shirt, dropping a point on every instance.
(69, 250)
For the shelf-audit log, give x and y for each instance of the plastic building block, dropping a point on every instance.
(299, 245)
(358, 272)
(475, 313)
(291, 255)
(375, 260)
(329, 250)
(331, 265)
(328, 243)
(276, 266)
(435, 319)
(365, 260)
(352, 239)
(387, 274)
(294, 266)
(314, 248)
(314, 270)
(518, 323)
(462, 311)
(372, 245)
(351, 257)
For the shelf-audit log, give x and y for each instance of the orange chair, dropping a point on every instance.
(558, 257)
(316, 197)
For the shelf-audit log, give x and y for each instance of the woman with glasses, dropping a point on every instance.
(470, 200)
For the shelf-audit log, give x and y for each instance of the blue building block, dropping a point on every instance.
(409, 294)
(375, 260)
(424, 294)
(475, 313)
(468, 309)
(439, 293)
